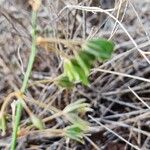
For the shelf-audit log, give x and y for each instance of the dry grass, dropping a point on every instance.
(119, 91)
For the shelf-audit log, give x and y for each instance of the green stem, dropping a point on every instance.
(19, 106)
(32, 55)
(16, 125)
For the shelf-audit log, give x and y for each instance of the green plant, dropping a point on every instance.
(76, 132)
(71, 113)
(76, 70)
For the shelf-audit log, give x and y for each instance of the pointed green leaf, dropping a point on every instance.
(77, 106)
(83, 64)
(65, 82)
(75, 132)
(86, 57)
(81, 74)
(100, 48)
(75, 119)
(70, 70)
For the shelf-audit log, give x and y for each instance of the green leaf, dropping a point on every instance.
(74, 72)
(82, 77)
(75, 132)
(83, 64)
(75, 119)
(87, 58)
(77, 107)
(70, 71)
(100, 48)
(65, 82)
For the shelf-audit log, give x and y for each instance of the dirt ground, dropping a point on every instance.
(119, 89)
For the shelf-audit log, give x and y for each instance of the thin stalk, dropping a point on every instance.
(32, 55)
(19, 106)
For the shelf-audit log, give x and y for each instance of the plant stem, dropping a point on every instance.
(16, 125)
(32, 55)
(19, 106)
